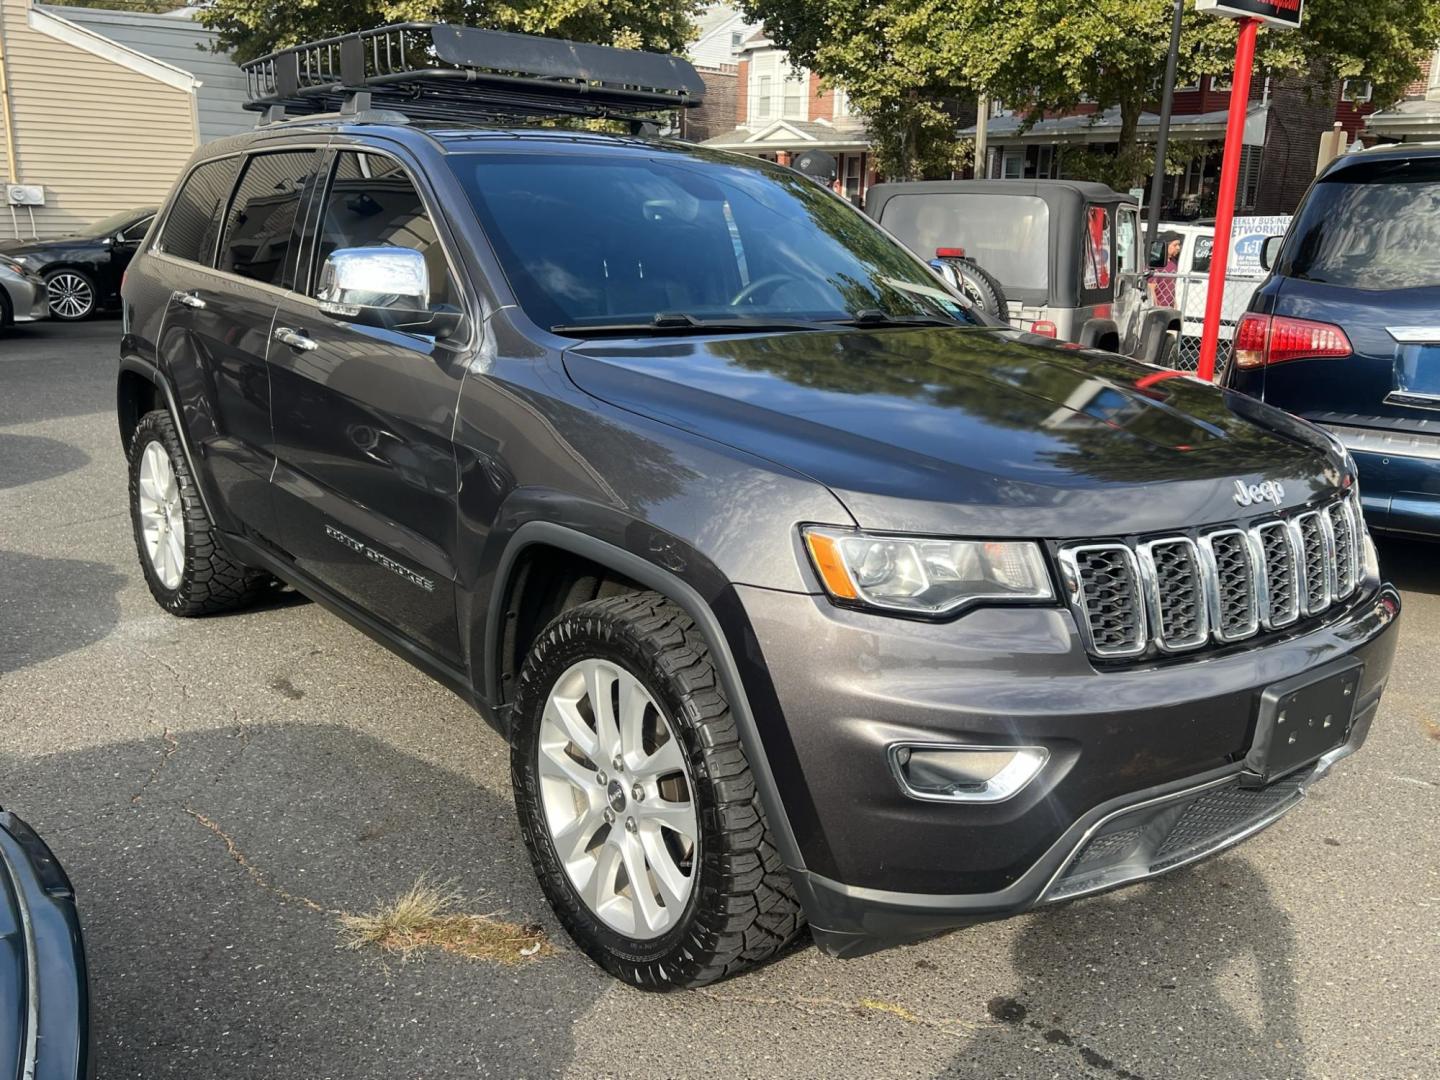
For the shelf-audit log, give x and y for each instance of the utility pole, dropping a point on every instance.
(1162, 136)
(982, 133)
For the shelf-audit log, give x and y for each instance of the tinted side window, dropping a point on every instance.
(194, 219)
(263, 230)
(373, 203)
(137, 231)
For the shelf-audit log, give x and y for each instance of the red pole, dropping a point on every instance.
(1225, 204)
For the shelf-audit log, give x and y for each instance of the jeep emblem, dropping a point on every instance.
(1265, 491)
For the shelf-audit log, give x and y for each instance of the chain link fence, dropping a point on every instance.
(1187, 293)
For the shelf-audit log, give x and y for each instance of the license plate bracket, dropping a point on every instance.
(1302, 719)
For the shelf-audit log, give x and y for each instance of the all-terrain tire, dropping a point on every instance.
(742, 908)
(210, 581)
(982, 287)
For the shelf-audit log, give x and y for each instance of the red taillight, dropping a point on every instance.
(1043, 327)
(949, 253)
(1274, 339)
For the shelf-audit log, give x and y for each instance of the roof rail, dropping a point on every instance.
(437, 71)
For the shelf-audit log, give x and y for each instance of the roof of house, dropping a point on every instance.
(793, 135)
(1105, 126)
(176, 39)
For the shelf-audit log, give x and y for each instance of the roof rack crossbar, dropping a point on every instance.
(432, 70)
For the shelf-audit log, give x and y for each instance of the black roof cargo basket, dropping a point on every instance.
(436, 71)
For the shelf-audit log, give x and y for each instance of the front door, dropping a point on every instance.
(366, 483)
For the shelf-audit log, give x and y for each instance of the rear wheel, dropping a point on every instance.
(188, 572)
(637, 802)
(71, 294)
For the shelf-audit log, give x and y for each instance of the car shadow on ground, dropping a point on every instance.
(27, 459)
(1413, 565)
(53, 607)
(211, 869)
(1192, 975)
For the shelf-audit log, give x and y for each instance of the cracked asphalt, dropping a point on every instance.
(219, 789)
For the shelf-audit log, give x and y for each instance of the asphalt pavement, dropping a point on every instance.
(221, 789)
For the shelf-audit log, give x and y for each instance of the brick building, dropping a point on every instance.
(1416, 117)
(782, 110)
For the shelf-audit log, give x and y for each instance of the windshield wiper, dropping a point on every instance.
(873, 317)
(679, 322)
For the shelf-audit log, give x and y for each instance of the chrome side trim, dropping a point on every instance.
(1415, 335)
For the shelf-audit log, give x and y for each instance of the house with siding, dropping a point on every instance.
(100, 110)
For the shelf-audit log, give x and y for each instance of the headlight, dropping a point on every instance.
(15, 266)
(924, 576)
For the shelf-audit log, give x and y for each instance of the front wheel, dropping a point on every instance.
(637, 803)
(71, 294)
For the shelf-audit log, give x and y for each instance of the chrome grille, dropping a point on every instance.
(1282, 591)
(1310, 535)
(1109, 597)
(1175, 593)
(1347, 562)
(1175, 600)
(1234, 592)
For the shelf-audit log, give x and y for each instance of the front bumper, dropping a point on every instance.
(1143, 774)
(41, 951)
(29, 301)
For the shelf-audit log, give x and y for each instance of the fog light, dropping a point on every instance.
(973, 774)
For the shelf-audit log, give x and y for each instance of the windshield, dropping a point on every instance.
(1374, 226)
(115, 222)
(590, 240)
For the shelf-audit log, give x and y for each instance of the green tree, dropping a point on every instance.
(1043, 55)
(251, 28)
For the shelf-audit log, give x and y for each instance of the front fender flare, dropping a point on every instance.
(681, 593)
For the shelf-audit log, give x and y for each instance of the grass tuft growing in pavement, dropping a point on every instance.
(425, 917)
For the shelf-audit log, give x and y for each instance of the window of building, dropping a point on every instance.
(1219, 83)
(194, 220)
(794, 103)
(263, 229)
(737, 38)
(1356, 91)
(842, 103)
(763, 97)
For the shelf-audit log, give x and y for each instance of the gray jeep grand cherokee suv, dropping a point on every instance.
(803, 593)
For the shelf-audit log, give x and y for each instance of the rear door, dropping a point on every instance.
(221, 302)
(366, 482)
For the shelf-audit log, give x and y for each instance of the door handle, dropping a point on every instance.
(189, 299)
(296, 339)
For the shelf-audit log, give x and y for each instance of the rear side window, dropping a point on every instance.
(194, 219)
(263, 231)
(1370, 226)
(1008, 235)
(373, 203)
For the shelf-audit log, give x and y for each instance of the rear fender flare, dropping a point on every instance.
(148, 371)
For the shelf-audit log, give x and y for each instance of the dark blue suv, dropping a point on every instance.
(1345, 332)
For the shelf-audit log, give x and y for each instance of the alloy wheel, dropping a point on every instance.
(162, 516)
(70, 295)
(617, 798)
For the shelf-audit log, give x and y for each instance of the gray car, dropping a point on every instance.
(22, 294)
(805, 594)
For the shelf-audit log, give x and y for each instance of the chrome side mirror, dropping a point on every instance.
(354, 280)
(1270, 252)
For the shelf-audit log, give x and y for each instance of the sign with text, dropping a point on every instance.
(1283, 14)
(1247, 237)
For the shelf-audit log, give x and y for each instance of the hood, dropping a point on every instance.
(962, 431)
(26, 247)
